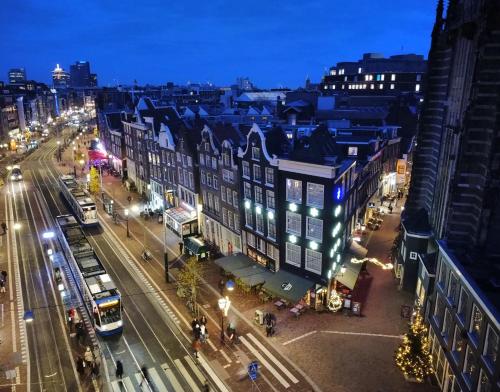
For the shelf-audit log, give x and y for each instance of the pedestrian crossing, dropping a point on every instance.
(183, 375)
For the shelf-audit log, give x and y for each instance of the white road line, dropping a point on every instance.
(155, 377)
(129, 386)
(264, 363)
(171, 377)
(380, 335)
(226, 357)
(273, 358)
(186, 375)
(212, 374)
(299, 337)
(195, 369)
(142, 384)
(212, 345)
(115, 385)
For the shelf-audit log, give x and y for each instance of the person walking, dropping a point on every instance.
(203, 320)
(2, 286)
(94, 369)
(80, 366)
(4, 228)
(203, 333)
(196, 347)
(4, 276)
(269, 328)
(88, 357)
(181, 248)
(119, 370)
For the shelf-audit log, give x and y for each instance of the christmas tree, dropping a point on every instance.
(413, 355)
(94, 181)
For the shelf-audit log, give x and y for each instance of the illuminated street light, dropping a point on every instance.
(17, 226)
(48, 235)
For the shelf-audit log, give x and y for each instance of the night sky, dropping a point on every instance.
(275, 43)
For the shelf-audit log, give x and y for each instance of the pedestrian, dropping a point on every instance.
(269, 328)
(4, 228)
(196, 347)
(129, 199)
(206, 387)
(193, 324)
(94, 370)
(181, 248)
(203, 320)
(203, 332)
(80, 366)
(88, 357)
(79, 331)
(221, 286)
(145, 375)
(4, 275)
(119, 369)
(2, 286)
(197, 331)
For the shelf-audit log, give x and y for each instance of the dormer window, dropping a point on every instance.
(256, 153)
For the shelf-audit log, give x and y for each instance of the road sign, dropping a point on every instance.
(253, 370)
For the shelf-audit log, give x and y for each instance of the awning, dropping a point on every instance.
(288, 286)
(234, 262)
(253, 275)
(358, 250)
(194, 244)
(180, 215)
(350, 276)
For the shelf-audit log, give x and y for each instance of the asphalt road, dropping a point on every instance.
(151, 337)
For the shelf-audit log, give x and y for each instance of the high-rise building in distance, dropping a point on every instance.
(17, 75)
(60, 78)
(80, 75)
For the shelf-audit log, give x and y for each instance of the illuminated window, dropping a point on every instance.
(392, 86)
(248, 217)
(293, 223)
(294, 190)
(360, 69)
(490, 347)
(380, 86)
(259, 223)
(256, 153)
(417, 88)
(393, 77)
(246, 169)
(313, 261)
(382, 77)
(352, 151)
(315, 195)
(475, 321)
(314, 229)
(270, 199)
(271, 228)
(293, 255)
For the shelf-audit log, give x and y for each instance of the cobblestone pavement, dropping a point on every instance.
(338, 352)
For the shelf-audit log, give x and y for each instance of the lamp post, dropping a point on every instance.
(224, 304)
(126, 215)
(165, 254)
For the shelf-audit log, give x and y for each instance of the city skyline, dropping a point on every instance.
(195, 44)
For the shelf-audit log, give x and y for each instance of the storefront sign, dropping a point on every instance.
(287, 286)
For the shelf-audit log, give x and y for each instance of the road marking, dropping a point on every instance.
(186, 375)
(212, 345)
(123, 384)
(365, 334)
(264, 362)
(171, 377)
(226, 365)
(212, 374)
(143, 385)
(273, 358)
(299, 337)
(153, 373)
(195, 369)
(226, 357)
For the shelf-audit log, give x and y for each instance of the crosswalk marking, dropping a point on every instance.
(155, 377)
(195, 369)
(265, 363)
(128, 384)
(212, 374)
(124, 385)
(171, 377)
(143, 385)
(273, 358)
(186, 375)
(226, 357)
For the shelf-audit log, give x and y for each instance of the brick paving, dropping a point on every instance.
(336, 361)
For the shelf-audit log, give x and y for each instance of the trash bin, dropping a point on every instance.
(259, 317)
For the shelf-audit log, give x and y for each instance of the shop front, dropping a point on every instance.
(182, 222)
(196, 247)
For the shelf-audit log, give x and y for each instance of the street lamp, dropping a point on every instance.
(224, 304)
(17, 226)
(126, 215)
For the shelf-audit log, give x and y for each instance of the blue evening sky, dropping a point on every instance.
(153, 41)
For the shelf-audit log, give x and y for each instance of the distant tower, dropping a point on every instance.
(17, 75)
(60, 78)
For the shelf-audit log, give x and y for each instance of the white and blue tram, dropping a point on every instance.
(79, 200)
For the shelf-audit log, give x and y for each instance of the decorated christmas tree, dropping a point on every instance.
(94, 181)
(413, 355)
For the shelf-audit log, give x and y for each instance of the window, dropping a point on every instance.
(442, 274)
(258, 194)
(209, 179)
(259, 222)
(445, 331)
(262, 245)
(225, 158)
(191, 180)
(256, 173)
(216, 182)
(230, 219)
(352, 151)
(293, 223)
(185, 179)
(224, 217)
(180, 175)
(419, 77)
(248, 217)
(251, 239)
(178, 155)
(393, 77)
(315, 195)
(227, 175)
(382, 77)
(313, 261)
(214, 163)
(223, 192)
(203, 177)
(490, 347)
(272, 251)
(246, 169)
(292, 254)
(247, 189)
(228, 193)
(184, 159)
(453, 288)
(293, 190)
(392, 86)
(469, 364)
(439, 311)
(210, 201)
(458, 343)
(270, 199)
(271, 228)
(202, 160)
(475, 321)
(314, 229)
(269, 175)
(484, 384)
(256, 153)
(216, 204)
(462, 304)
(235, 199)
(236, 222)
(190, 161)
(417, 88)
